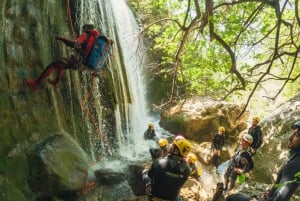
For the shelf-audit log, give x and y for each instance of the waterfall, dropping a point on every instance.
(134, 55)
(126, 68)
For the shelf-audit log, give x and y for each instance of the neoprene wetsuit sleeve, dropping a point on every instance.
(66, 41)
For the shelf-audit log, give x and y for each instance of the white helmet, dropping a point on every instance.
(248, 138)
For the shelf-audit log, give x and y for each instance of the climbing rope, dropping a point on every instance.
(91, 185)
(70, 18)
(92, 118)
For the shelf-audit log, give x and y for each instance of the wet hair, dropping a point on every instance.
(88, 26)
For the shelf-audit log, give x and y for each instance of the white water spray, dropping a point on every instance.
(134, 53)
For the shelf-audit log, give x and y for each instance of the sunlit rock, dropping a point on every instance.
(199, 119)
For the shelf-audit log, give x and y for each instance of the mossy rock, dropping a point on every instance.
(9, 192)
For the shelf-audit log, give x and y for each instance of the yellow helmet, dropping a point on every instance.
(221, 129)
(183, 146)
(150, 124)
(191, 158)
(257, 119)
(163, 142)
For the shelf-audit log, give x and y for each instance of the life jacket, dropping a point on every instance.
(85, 42)
(99, 53)
(92, 35)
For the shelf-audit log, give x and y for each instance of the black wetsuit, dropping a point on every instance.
(242, 160)
(218, 142)
(256, 133)
(167, 177)
(286, 173)
(149, 134)
(158, 152)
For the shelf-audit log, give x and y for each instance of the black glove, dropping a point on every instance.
(58, 38)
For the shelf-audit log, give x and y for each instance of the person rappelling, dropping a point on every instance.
(92, 49)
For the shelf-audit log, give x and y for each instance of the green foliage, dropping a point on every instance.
(204, 65)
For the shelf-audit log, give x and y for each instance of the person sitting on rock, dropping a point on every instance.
(196, 172)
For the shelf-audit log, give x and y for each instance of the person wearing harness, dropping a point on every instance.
(217, 145)
(83, 45)
(288, 177)
(166, 176)
(240, 163)
(160, 152)
(255, 132)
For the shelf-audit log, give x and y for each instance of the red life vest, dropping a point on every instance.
(86, 42)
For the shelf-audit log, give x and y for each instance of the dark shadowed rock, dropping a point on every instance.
(110, 176)
(10, 192)
(57, 166)
(135, 178)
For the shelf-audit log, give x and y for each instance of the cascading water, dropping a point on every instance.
(133, 54)
(126, 69)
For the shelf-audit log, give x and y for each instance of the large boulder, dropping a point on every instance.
(135, 176)
(57, 166)
(199, 119)
(276, 130)
(110, 176)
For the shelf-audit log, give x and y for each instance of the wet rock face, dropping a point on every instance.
(135, 178)
(57, 166)
(199, 119)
